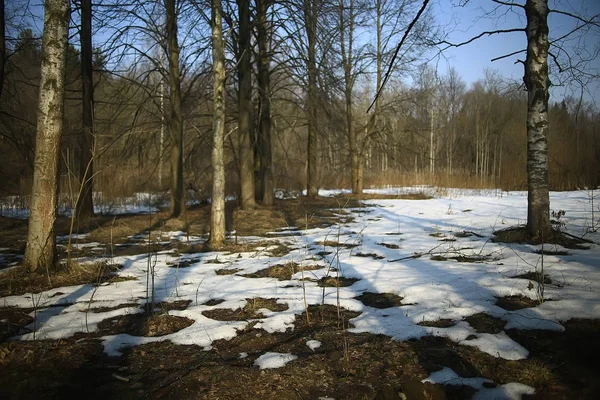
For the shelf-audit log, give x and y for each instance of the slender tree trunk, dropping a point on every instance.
(40, 250)
(245, 145)
(537, 82)
(310, 23)
(264, 88)
(2, 45)
(176, 119)
(85, 203)
(217, 211)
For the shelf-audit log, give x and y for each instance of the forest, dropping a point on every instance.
(298, 199)
(427, 127)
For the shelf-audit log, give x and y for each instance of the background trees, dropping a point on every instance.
(300, 76)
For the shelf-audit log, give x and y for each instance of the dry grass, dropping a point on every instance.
(17, 281)
(380, 300)
(519, 234)
(250, 311)
(143, 324)
(282, 272)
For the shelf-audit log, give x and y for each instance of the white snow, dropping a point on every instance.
(274, 360)
(405, 234)
(509, 391)
(313, 344)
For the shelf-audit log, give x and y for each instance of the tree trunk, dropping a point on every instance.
(2, 45)
(312, 170)
(40, 250)
(85, 203)
(264, 89)
(176, 119)
(245, 145)
(217, 211)
(537, 82)
(357, 146)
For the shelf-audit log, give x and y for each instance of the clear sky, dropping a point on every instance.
(464, 22)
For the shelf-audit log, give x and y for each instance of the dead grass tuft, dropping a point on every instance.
(252, 310)
(485, 323)
(144, 325)
(380, 300)
(331, 281)
(518, 302)
(17, 281)
(440, 323)
(519, 234)
(282, 272)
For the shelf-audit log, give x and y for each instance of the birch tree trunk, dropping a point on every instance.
(245, 145)
(40, 250)
(217, 211)
(264, 89)
(310, 24)
(85, 203)
(176, 119)
(537, 84)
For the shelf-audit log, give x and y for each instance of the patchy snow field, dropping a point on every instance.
(436, 255)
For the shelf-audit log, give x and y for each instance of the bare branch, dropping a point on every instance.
(506, 3)
(591, 21)
(387, 74)
(482, 34)
(507, 55)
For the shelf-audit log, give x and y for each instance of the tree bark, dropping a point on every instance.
(2, 45)
(246, 147)
(40, 250)
(217, 215)
(85, 202)
(312, 170)
(537, 84)
(176, 118)
(264, 89)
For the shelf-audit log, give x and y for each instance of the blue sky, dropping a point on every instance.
(465, 21)
(471, 60)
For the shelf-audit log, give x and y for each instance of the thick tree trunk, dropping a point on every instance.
(85, 203)
(312, 170)
(176, 119)
(246, 147)
(40, 250)
(217, 214)
(264, 88)
(537, 82)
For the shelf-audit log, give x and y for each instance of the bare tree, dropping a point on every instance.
(310, 14)
(176, 120)
(2, 45)
(246, 149)
(85, 202)
(537, 83)
(40, 250)
(264, 92)
(217, 215)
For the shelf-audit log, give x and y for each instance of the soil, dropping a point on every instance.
(332, 281)
(561, 365)
(513, 303)
(282, 272)
(252, 310)
(484, 323)
(143, 324)
(380, 300)
(519, 234)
